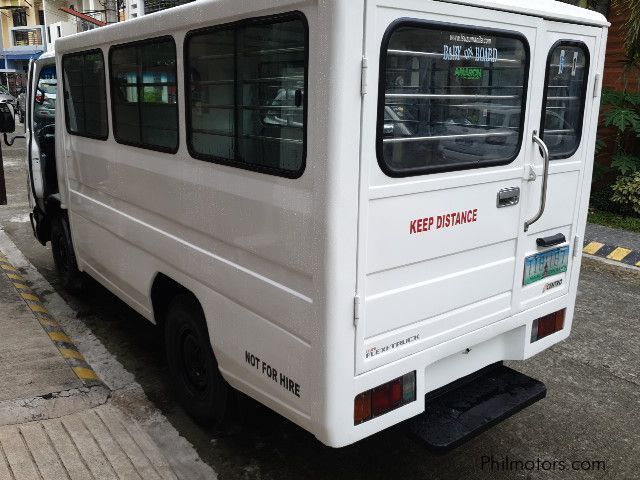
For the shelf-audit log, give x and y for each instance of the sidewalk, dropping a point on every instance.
(56, 419)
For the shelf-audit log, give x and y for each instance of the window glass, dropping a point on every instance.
(212, 95)
(247, 95)
(44, 106)
(144, 94)
(567, 75)
(85, 94)
(450, 99)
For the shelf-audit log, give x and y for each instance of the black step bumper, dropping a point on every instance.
(471, 405)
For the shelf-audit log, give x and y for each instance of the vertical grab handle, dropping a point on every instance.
(545, 180)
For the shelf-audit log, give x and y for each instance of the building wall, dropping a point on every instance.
(615, 74)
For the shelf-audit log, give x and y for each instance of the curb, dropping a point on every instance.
(53, 329)
(622, 255)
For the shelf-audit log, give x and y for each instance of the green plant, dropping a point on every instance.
(626, 192)
(621, 114)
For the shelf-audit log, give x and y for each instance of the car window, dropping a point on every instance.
(450, 98)
(246, 94)
(85, 97)
(44, 107)
(565, 91)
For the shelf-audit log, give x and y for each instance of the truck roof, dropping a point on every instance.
(194, 12)
(549, 9)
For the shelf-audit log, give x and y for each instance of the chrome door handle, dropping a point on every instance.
(545, 180)
(507, 197)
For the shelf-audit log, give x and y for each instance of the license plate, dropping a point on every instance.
(545, 264)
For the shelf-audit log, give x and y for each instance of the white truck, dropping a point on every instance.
(351, 211)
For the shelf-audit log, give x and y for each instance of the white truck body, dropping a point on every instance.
(326, 283)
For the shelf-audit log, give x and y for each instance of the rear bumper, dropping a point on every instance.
(442, 364)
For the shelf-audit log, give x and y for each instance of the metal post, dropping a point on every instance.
(3, 188)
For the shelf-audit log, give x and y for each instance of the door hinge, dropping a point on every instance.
(577, 246)
(356, 310)
(363, 78)
(597, 85)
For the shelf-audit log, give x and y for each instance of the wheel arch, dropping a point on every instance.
(164, 289)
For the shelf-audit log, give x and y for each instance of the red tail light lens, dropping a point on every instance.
(384, 398)
(547, 325)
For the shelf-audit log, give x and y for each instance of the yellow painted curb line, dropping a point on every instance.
(36, 307)
(85, 373)
(60, 337)
(619, 254)
(593, 248)
(62, 341)
(69, 353)
(30, 296)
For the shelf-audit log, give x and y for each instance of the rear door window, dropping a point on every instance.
(451, 98)
(565, 93)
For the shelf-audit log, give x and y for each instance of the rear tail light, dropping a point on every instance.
(547, 325)
(384, 398)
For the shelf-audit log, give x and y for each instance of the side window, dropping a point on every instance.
(44, 105)
(144, 94)
(451, 98)
(246, 94)
(565, 92)
(85, 98)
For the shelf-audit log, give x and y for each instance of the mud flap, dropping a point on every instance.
(471, 405)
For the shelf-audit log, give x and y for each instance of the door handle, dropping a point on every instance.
(507, 197)
(551, 241)
(545, 180)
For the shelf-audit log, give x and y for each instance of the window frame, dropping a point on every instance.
(64, 94)
(145, 146)
(265, 20)
(451, 27)
(583, 100)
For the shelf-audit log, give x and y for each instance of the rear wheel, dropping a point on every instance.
(64, 256)
(200, 388)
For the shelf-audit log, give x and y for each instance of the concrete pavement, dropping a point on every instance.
(53, 428)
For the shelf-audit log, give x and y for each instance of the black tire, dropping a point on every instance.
(64, 256)
(200, 388)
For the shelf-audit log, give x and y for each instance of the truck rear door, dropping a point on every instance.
(455, 169)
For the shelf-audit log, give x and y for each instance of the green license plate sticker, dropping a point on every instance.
(546, 264)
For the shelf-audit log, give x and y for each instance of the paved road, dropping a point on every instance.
(590, 414)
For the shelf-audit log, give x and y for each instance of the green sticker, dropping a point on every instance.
(469, 73)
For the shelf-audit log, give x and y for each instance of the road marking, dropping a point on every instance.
(60, 337)
(619, 254)
(36, 307)
(30, 296)
(70, 353)
(62, 341)
(85, 373)
(593, 248)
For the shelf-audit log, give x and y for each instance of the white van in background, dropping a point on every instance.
(351, 211)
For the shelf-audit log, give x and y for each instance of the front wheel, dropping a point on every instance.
(201, 390)
(64, 256)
